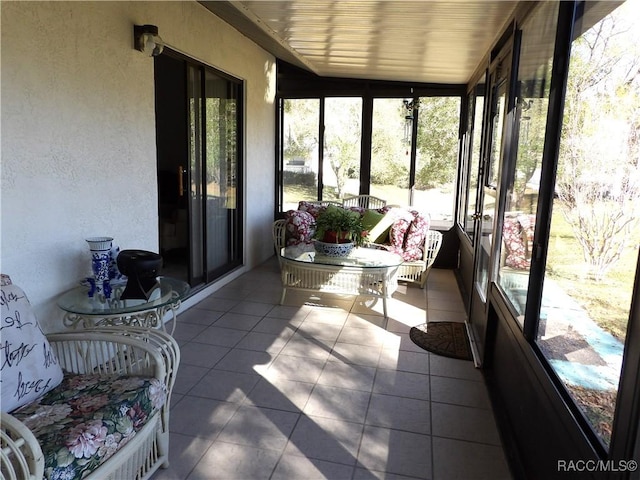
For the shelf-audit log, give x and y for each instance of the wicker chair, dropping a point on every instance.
(104, 351)
(364, 201)
(278, 232)
(324, 203)
(417, 271)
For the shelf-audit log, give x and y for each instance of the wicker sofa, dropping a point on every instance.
(103, 415)
(404, 231)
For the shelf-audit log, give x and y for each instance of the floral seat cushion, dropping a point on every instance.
(87, 418)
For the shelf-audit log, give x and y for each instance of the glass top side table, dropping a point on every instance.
(84, 311)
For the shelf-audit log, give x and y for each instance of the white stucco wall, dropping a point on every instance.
(78, 134)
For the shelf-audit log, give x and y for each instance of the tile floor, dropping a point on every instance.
(323, 387)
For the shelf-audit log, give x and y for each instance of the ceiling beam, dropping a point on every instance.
(252, 27)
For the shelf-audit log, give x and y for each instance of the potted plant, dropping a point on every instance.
(339, 225)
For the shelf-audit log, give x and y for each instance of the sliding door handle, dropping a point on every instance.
(181, 172)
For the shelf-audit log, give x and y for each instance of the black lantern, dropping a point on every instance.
(142, 269)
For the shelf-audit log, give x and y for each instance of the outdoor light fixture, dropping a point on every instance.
(411, 106)
(147, 40)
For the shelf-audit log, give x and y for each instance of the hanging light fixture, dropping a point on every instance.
(410, 105)
(147, 40)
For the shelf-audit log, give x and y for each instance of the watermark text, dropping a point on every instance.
(597, 465)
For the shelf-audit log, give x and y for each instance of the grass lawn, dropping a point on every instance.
(608, 302)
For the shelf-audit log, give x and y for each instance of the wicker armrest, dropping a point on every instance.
(21, 456)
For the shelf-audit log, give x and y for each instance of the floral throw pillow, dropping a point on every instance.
(401, 223)
(416, 234)
(300, 226)
(513, 237)
(29, 366)
(311, 208)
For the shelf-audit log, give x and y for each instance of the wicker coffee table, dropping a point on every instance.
(365, 271)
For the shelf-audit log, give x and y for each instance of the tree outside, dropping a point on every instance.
(599, 177)
(437, 143)
(343, 130)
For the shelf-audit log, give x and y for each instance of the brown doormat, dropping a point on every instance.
(448, 339)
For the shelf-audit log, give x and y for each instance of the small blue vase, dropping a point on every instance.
(100, 266)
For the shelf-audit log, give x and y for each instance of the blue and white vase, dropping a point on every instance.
(115, 276)
(100, 266)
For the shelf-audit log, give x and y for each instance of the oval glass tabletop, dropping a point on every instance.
(167, 291)
(359, 257)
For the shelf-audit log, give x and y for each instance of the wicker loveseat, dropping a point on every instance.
(404, 231)
(104, 415)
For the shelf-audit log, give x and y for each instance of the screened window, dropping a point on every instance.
(523, 178)
(300, 138)
(437, 157)
(341, 159)
(412, 158)
(593, 244)
(391, 143)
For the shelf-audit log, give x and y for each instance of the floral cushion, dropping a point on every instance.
(528, 223)
(311, 208)
(300, 227)
(87, 418)
(403, 219)
(400, 221)
(415, 237)
(360, 210)
(517, 234)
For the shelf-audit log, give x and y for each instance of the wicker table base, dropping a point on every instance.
(363, 272)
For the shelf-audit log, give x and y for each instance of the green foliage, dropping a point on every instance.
(343, 121)
(390, 173)
(437, 140)
(300, 128)
(221, 141)
(434, 172)
(389, 147)
(598, 176)
(437, 143)
(346, 224)
(307, 179)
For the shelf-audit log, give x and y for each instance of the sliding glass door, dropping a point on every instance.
(495, 150)
(201, 152)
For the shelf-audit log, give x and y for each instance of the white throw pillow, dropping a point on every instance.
(29, 366)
